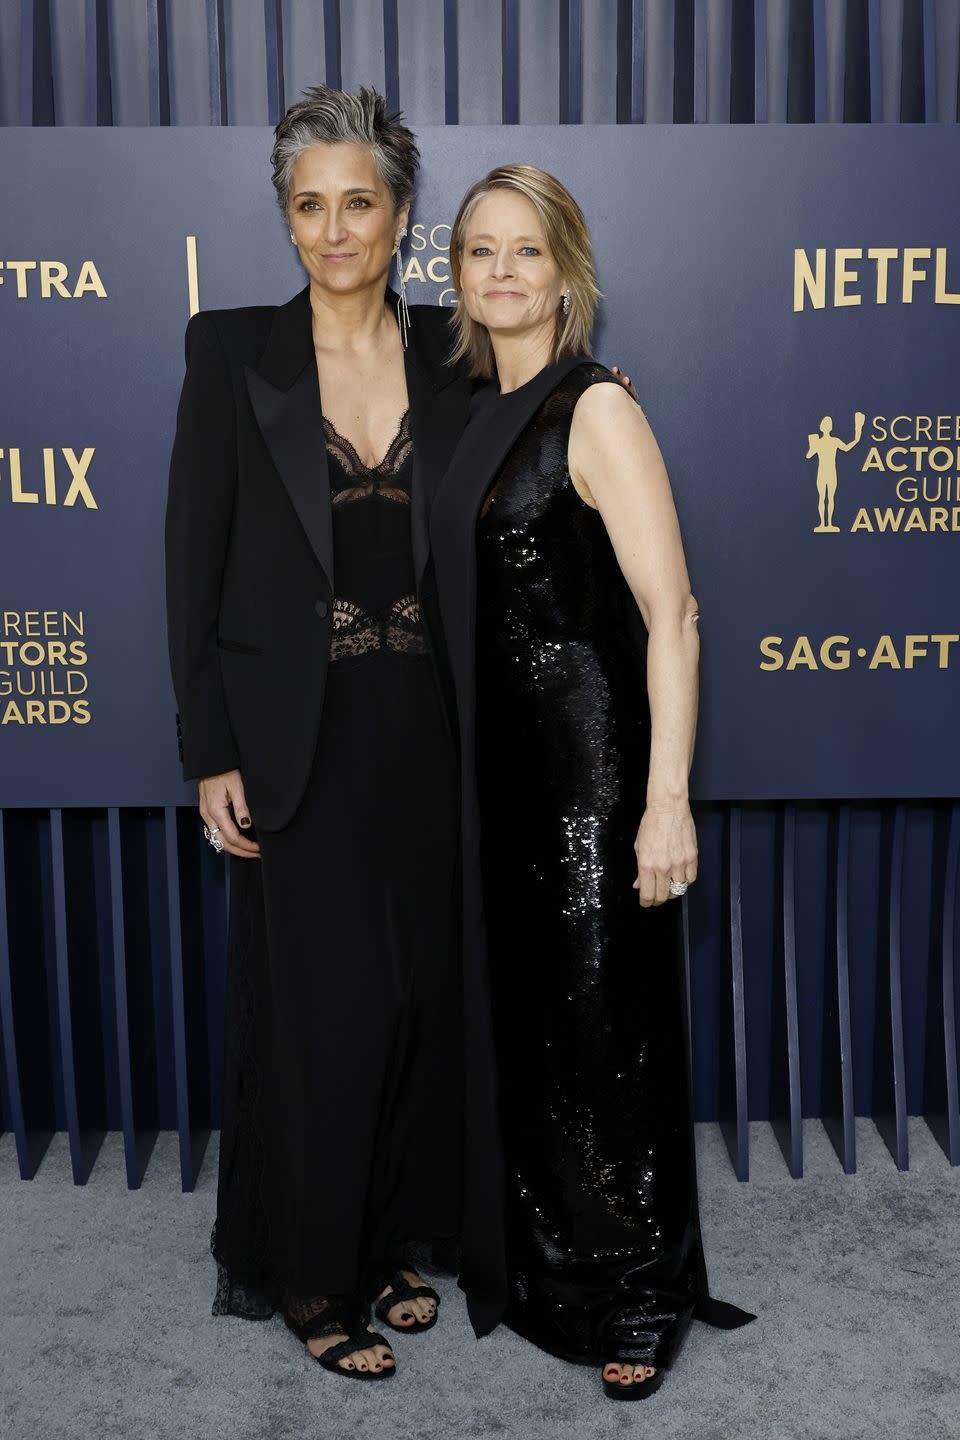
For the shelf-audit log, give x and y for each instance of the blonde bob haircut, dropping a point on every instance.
(568, 240)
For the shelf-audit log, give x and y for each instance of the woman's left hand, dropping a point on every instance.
(666, 849)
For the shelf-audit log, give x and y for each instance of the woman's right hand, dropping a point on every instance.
(224, 806)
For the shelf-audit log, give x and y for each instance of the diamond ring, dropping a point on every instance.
(678, 887)
(212, 836)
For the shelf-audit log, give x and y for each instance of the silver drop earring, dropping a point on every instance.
(403, 311)
(565, 301)
(293, 238)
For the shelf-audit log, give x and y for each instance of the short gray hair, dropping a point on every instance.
(335, 117)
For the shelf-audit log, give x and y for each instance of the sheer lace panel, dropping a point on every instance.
(359, 632)
(370, 479)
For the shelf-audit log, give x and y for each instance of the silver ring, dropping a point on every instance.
(211, 835)
(678, 887)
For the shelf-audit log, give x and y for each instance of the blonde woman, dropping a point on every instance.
(572, 632)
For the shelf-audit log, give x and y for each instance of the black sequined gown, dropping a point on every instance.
(342, 1097)
(603, 1248)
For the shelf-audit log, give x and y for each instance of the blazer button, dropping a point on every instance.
(322, 609)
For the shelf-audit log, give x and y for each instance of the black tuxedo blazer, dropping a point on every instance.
(249, 540)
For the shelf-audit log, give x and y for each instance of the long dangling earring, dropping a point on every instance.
(565, 301)
(403, 310)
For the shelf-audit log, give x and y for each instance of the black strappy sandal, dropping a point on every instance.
(401, 1289)
(341, 1315)
(360, 1340)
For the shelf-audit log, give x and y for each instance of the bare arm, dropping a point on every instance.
(616, 466)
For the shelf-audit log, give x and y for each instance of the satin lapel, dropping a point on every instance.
(284, 391)
(482, 449)
(486, 443)
(437, 419)
(290, 422)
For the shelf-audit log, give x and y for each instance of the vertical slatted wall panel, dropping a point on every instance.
(738, 1133)
(11, 1069)
(837, 1098)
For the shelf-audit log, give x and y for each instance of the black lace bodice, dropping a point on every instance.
(375, 608)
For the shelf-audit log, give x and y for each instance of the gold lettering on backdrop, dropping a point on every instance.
(414, 271)
(427, 260)
(193, 276)
(885, 519)
(882, 256)
(912, 272)
(49, 477)
(842, 277)
(942, 295)
(840, 652)
(807, 281)
(52, 275)
(52, 278)
(75, 486)
(853, 282)
(78, 478)
(802, 654)
(43, 680)
(20, 268)
(18, 495)
(89, 281)
(885, 654)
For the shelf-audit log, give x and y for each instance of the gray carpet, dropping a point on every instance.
(105, 1325)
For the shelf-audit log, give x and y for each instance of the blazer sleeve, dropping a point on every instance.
(200, 498)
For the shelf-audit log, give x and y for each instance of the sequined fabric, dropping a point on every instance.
(603, 1243)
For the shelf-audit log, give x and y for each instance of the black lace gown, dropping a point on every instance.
(340, 1145)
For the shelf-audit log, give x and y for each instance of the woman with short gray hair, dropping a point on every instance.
(310, 439)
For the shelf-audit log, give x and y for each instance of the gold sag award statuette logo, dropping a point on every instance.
(824, 447)
(913, 459)
(920, 488)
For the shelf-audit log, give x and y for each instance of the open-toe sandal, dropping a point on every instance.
(361, 1339)
(637, 1389)
(400, 1290)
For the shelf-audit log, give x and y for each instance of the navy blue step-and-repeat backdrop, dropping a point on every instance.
(785, 298)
